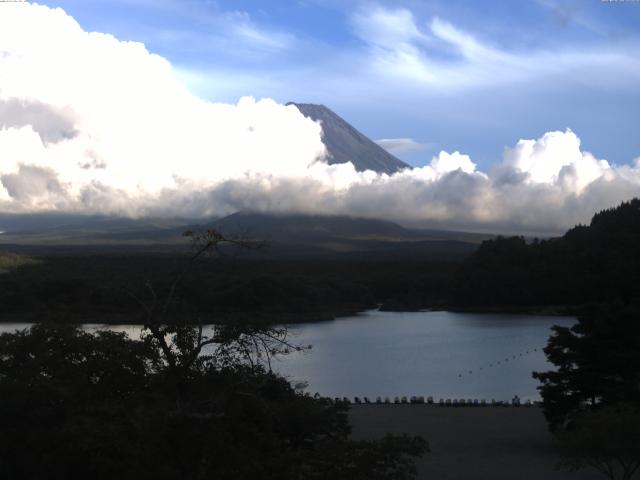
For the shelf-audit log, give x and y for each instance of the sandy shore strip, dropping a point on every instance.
(479, 443)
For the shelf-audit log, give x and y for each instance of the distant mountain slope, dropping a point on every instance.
(39, 223)
(59, 229)
(290, 235)
(297, 235)
(296, 227)
(346, 144)
(291, 228)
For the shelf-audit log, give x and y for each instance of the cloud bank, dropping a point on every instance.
(91, 124)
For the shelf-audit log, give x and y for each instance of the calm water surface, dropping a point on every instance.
(443, 354)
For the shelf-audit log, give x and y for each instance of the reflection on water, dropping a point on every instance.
(443, 354)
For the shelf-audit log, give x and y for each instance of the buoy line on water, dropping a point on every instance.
(501, 361)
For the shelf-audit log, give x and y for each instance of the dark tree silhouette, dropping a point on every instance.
(607, 440)
(597, 360)
(182, 341)
(592, 400)
(174, 405)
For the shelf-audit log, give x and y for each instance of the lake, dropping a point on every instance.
(443, 354)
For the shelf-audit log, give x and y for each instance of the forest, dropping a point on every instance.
(100, 288)
(599, 262)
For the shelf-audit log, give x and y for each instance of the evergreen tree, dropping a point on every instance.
(597, 360)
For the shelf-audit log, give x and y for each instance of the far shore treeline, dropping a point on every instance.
(599, 262)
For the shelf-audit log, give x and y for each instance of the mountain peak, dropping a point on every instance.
(346, 144)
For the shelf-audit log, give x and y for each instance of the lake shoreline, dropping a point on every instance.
(384, 354)
(289, 318)
(215, 317)
(541, 310)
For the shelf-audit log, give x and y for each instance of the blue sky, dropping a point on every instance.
(451, 75)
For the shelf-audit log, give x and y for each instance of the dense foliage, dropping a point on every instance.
(595, 263)
(102, 406)
(592, 399)
(96, 288)
(607, 439)
(597, 360)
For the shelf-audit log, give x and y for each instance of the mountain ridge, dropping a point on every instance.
(345, 143)
(287, 236)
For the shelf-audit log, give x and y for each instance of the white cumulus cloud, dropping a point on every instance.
(450, 162)
(555, 156)
(106, 115)
(91, 124)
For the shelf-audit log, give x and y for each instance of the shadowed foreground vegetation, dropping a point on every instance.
(592, 398)
(102, 406)
(175, 404)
